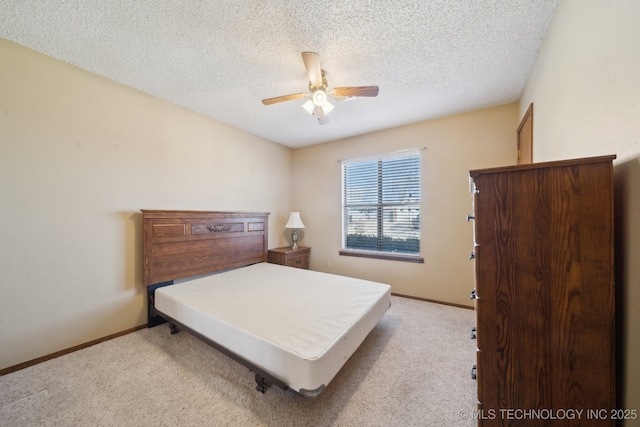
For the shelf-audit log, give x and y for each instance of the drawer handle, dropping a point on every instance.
(473, 333)
(297, 261)
(474, 373)
(473, 295)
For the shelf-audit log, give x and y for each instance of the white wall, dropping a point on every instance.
(79, 157)
(585, 87)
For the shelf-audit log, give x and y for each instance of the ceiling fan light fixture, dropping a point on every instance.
(319, 97)
(327, 107)
(318, 101)
(309, 106)
(321, 100)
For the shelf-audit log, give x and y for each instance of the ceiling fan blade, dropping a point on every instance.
(343, 98)
(355, 91)
(312, 64)
(322, 119)
(277, 99)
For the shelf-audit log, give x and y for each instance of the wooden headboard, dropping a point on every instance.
(181, 244)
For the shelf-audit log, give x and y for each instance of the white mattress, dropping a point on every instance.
(300, 326)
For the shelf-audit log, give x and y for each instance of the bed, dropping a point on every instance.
(206, 273)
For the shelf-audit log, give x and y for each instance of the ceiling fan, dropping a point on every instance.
(319, 103)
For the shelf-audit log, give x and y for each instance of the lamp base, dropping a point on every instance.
(294, 237)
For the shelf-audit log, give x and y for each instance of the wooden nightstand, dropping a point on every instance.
(298, 258)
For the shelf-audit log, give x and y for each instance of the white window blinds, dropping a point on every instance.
(381, 203)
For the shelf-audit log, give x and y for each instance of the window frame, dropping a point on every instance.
(377, 254)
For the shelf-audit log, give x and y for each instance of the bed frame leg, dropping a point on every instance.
(174, 329)
(262, 386)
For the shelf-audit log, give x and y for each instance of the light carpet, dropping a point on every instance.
(412, 370)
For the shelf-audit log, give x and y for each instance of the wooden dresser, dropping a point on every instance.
(544, 293)
(298, 258)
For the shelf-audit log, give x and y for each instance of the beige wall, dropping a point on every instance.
(79, 157)
(585, 87)
(454, 145)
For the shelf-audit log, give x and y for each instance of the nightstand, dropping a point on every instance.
(298, 258)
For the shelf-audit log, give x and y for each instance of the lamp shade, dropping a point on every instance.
(309, 106)
(294, 221)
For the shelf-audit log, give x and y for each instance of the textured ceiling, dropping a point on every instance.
(221, 58)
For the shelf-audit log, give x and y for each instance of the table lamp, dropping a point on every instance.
(294, 222)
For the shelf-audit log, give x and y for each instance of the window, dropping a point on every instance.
(381, 206)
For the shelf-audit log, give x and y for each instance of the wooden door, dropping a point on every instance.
(525, 138)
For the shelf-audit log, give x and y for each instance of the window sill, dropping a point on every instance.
(383, 255)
